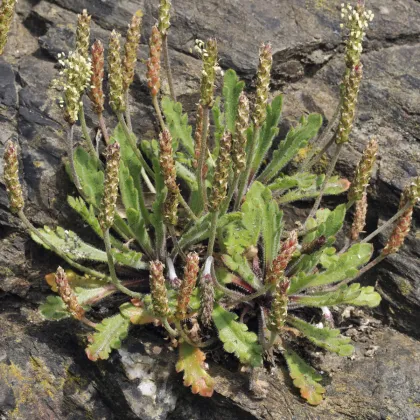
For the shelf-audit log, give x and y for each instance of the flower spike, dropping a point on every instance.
(11, 178)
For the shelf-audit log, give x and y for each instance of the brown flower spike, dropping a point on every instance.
(83, 33)
(359, 221)
(207, 299)
(239, 139)
(278, 313)
(158, 290)
(263, 85)
(275, 273)
(153, 63)
(67, 295)
(167, 164)
(130, 49)
(109, 200)
(188, 283)
(221, 173)
(96, 93)
(11, 178)
(363, 172)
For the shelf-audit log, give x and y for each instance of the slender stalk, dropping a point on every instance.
(160, 233)
(245, 176)
(327, 178)
(173, 333)
(172, 232)
(167, 62)
(230, 293)
(213, 231)
(189, 341)
(323, 141)
(187, 208)
(319, 155)
(202, 158)
(112, 271)
(231, 192)
(270, 343)
(128, 111)
(387, 223)
(252, 296)
(85, 132)
(158, 112)
(31, 228)
(136, 150)
(102, 125)
(70, 137)
(89, 323)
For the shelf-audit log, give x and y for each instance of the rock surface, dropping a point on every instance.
(307, 68)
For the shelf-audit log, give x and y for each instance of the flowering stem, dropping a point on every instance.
(104, 130)
(172, 232)
(173, 333)
(158, 112)
(387, 223)
(70, 136)
(327, 178)
(168, 66)
(232, 190)
(245, 176)
(189, 341)
(252, 296)
(202, 158)
(112, 271)
(89, 323)
(187, 208)
(213, 231)
(85, 132)
(231, 293)
(127, 111)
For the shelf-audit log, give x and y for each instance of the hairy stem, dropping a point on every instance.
(102, 125)
(202, 158)
(230, 293)
(173, 333)
(158, 112)
(325, 183)
(213, 231)
(128, 111)
(112, 271)
(85, 131)
(70, 138)
(243, 185)
(88, 322)
(185, 337)
(187, 208)
(167, 62)
(232, 189)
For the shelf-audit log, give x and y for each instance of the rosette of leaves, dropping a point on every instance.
(246, 235)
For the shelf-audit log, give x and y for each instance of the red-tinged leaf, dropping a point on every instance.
(305, 378)
(137, 314)
(191, 362)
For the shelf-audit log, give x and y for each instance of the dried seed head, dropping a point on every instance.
(275, 273)
(73, 81)
(208, 74)
(6, 17)
(11, 178)
(403, 224)
(130, 49)
(187, 286)
(116, 90)
(158, 290)
(350, 92)
(109, 199)
(263, 85)
(167, 164)
(207, 299)
(164, 16)
(356, 21)
(83, 34)
(221, 173)
(96, 93)
(363, 172)
(67, 295)
(359, 220)
(153, 63)
(239, 139)
(278, 313)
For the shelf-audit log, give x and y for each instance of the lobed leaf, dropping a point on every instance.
(326, 338)
(304, 377)
(191, 362)
(107, 337)
(232, 89)
(236, 337)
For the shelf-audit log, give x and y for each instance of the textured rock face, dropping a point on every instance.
(307, 68)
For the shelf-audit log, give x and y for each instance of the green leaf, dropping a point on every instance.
(88, 214)
(90, 175)
(109, 334)
(232, 88)
(335, 186)
(296, 139)
(137, 315)
(346, 267)
(191, 362)
(71, 244)
(177, 123)
(236, 337)
(219, 129)
(301, 180)
(239, 264)
(54, 309)
(157, 217)
(268, 131)
(326, 338)
(349, 295)
(304, 377)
